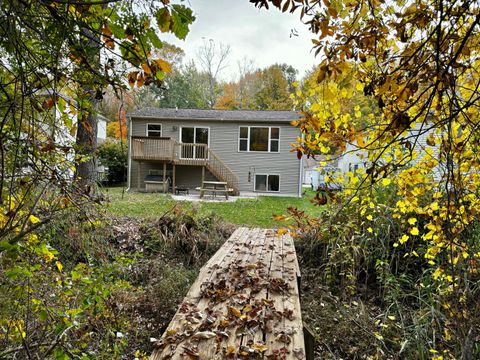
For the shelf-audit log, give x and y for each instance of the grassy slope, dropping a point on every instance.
(249, 212)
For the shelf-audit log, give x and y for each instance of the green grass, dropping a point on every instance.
(249, 212)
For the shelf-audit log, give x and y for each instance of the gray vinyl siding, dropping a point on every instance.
(224, 142)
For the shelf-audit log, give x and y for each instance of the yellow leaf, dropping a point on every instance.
(260, 347)
(234, 311)
(414, 231)
(33, 219)
(163, 65)
(391, 317)
(360, 141)
(437, 273)
(59, 265)
(146, 68)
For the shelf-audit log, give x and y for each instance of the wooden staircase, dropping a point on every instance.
(170, 150)
(221, 171)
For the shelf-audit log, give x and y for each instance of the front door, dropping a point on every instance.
(194, 135)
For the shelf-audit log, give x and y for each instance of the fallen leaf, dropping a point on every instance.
(203, 335)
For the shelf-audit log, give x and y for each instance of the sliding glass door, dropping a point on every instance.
(194, 135)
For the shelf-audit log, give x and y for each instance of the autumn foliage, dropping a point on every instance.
(418, 147)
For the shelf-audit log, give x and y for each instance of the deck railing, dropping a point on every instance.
(147, 148)
(167, 149)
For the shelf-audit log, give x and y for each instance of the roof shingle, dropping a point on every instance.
(216, 115)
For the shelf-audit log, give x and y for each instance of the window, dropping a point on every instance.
(243, 142)
(194, 135)
(267, 182)
(258, 138)
(154, 130)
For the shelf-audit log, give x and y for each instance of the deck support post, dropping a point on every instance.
(173, 181)
(203, 174)
(164, 177)
(138, 175)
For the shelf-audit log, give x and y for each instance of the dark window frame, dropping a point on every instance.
(245, 141)
(266, 183)
(148, 131)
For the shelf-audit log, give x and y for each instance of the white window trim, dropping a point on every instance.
(146, 129)
(194, 132)
(266, 187)
(269, 139)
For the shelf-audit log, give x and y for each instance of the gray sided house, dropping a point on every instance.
(249, 150)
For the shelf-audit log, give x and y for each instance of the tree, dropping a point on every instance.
(261, 89)
(185, 87)
(57, 59)
(212, 61)
(75, 51)
(419, 62)
(112, 155)
(275, 82)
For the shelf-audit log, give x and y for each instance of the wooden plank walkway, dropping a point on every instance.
(244, 304)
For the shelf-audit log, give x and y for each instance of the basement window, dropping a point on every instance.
(267, 182)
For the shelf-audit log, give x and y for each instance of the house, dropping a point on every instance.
(352, 159)
(60, 124)
(414, 140)
(316, 169)
(249, 150)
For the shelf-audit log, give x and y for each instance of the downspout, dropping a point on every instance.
(129, 138)
(300, 177)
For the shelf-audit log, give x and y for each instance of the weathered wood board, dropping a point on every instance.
(244, 304)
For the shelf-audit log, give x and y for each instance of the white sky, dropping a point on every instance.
(261, 35)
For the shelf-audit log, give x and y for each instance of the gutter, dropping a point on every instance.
(129, 139)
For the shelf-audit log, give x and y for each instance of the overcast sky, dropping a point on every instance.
(264, 36)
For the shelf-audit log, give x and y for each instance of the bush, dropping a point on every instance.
(111, 285)
(357, 269)
(113, 154)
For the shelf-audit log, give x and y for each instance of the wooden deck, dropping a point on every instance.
(244, 304)
(167, 150)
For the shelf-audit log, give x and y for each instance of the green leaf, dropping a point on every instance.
(5, 245)
(117, 31)
(163, 19)
(154, 39)
(60, 354)
(182, 17)
(43, 315)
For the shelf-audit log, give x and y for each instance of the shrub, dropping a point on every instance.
(113, 154)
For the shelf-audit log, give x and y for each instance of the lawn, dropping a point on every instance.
(249, 212)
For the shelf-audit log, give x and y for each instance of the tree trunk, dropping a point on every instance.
(85, 175)
(86, 139)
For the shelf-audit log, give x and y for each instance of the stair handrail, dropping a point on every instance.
(222, 169)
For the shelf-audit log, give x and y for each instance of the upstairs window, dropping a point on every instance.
(259, 138)
(154, 130)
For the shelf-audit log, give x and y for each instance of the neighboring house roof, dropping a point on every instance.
(217, 115)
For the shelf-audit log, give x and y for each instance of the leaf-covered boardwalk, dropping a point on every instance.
(244, 304)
